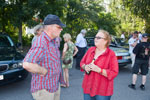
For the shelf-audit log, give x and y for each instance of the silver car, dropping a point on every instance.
(122, 54)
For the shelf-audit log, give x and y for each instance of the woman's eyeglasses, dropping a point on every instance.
(98, 37)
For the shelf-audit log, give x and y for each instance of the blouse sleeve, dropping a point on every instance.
(85, 57)
(112, 71)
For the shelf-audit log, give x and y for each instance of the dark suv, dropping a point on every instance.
(10, 61)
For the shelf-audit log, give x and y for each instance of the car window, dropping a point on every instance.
(118, 40)
(90, 41)
(5, 41)
(113, 41)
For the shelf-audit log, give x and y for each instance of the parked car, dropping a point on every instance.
(122, 54)
(119, 42)
(10, 61)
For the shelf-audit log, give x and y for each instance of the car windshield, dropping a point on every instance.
(119, 40)
(5, 41)
(90, 42)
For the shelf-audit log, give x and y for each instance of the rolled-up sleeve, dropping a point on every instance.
(113, 70)
(85, 58)
(83, 61)
(35, 53)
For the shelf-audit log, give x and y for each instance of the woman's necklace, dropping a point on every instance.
(98, 53)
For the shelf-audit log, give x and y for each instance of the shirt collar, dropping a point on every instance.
(93, 51)
(47, 37)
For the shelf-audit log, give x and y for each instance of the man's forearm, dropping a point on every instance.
(34, 68)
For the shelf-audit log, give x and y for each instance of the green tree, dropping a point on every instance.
(109, 22)
(140, 8)
(4, 15)
(16, 13)
(76, 14)
(82, 14)
(129, 22)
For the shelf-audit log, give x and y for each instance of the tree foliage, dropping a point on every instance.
(76, 14)
(129, 21)
(140, 8)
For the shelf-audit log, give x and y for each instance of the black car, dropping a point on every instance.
(10, 61)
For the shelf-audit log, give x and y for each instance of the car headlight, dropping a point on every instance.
(17, 65)
(14, 65)
(20, 64)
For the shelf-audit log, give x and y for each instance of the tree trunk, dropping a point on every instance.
(20, 35)
(3, 20)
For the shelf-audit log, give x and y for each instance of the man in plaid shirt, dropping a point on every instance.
(43, 61)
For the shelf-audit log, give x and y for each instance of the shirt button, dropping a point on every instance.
(90, 89)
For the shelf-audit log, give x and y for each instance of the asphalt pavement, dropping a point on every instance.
(21, 90)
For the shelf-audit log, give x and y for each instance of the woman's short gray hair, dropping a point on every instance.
(37, 28)
(83, 31)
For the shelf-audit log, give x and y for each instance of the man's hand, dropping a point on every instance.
(146, 51)
(43, 71)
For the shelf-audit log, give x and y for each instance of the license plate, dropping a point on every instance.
(1, 77)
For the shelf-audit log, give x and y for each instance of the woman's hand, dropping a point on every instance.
(87, 68)
(94, 68)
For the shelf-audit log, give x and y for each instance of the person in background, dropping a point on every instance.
(142, 52)
(69, 51)
(132, 43)
(140, 36)
(58, 40)
(43, 61)
(101, 67)
(81, 44)
(38, 29)
(123, 37)
(130, 34)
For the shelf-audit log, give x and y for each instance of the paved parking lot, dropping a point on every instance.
(21, 90)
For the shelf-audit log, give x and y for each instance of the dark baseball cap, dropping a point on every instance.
(145, 35)
(135, 32)
(53, 19)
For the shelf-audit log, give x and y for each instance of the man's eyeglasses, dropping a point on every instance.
(98, 37)
(57, 26)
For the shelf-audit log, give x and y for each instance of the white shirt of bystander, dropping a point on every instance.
(81, 41)
(131, 41)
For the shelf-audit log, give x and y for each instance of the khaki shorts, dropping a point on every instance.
(45, 95)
